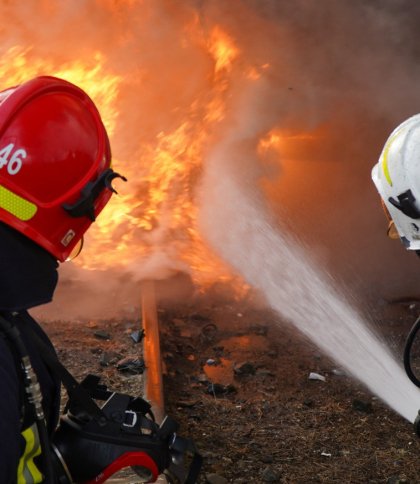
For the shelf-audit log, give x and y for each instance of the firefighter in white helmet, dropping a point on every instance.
(397, 179)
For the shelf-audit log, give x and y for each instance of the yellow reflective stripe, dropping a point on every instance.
(385, 156)
(16, 205)
(28, 472)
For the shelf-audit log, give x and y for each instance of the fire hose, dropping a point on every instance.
(92, 443)
(407, 364)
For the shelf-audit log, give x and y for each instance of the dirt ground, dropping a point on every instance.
(237, 380)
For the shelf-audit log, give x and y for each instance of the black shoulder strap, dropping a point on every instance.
(76, 392)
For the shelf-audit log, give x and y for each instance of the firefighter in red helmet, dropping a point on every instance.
(55, 178)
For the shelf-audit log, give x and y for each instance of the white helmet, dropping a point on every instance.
(397, 179)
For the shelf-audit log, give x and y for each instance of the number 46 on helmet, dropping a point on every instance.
(55, 163)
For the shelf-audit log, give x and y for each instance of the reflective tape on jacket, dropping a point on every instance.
(28, 472)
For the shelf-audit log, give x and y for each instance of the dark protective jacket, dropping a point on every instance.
(28, 277)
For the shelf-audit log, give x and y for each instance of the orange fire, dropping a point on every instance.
(155, 215)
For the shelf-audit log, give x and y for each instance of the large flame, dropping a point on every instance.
(154, 217)
(18, 64)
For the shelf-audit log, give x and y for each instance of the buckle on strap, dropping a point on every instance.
(130, 419)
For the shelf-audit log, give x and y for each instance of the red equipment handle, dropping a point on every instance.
(128, 459)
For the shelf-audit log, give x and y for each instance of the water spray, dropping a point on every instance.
(272, 260)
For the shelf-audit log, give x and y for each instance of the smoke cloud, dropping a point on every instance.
(344, 74)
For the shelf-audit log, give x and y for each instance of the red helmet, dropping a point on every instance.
(55, 159)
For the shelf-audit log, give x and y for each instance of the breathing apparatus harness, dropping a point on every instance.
(92, 443)
(33, 402)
